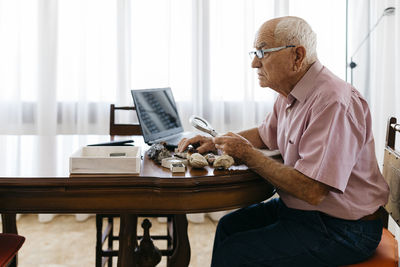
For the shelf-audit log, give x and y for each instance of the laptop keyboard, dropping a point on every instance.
(174, 140)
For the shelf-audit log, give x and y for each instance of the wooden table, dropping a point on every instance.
(34, 178)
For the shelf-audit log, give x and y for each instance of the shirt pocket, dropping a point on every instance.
(292, 152)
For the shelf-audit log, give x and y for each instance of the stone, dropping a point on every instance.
(223, 162)
(197, 160)
(210, 157)
(178, 154)
(158, 152)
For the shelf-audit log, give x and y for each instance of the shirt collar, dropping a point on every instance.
(306, 84)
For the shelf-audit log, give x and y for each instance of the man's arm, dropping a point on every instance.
(286, 178)
(254, 137)
(281, 176)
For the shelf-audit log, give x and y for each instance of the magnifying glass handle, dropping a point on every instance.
(213, 133)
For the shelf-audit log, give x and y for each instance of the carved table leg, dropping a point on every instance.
(147, 255)
(181, 254)
(9, 221)
(127, 240)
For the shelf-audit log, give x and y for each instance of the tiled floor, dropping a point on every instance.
(67, 242)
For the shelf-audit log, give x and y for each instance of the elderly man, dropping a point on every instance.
(330, 187)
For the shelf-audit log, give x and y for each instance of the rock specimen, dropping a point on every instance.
(223, 162)
(197, 160)
(187, 153)
(192, 149)
(210, 157)
(178, 154)
(157, 152)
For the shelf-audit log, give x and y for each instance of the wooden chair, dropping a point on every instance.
(386, 253)
(177, 254)
(122, 129)
(9, 246)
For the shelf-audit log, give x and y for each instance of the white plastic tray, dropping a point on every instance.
(105, 159)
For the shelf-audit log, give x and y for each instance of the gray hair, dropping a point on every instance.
(296, 31)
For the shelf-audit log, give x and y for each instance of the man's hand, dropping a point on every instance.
(206, 144)
(234, 145)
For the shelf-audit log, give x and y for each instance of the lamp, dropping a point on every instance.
(389, 11)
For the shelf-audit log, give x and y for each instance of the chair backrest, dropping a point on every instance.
(391, 170)
(123, 129)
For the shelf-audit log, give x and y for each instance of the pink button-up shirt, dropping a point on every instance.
(323, 130)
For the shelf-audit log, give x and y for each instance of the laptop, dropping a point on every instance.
(158, 116)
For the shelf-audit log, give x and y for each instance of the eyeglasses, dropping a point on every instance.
(260, 53)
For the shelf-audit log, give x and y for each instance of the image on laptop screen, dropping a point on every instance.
(157, 113)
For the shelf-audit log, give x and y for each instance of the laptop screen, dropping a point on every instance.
(157, 113)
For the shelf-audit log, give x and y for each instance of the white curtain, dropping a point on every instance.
(62, 62)
(58, 65)
(378, 67)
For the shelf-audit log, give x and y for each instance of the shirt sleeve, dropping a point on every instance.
(330, 146)
(268, 129)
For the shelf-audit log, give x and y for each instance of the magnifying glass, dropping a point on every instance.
(202, 125)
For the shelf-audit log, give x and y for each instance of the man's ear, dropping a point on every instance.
(300, 55)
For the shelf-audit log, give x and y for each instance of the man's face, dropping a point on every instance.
(274, 69)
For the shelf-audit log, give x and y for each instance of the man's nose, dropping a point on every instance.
(256, 63)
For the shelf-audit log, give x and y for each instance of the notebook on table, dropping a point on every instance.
(158, 116)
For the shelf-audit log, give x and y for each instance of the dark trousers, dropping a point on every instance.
(271, 234)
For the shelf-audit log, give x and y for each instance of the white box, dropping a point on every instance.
(178, 167)
(106, 159)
